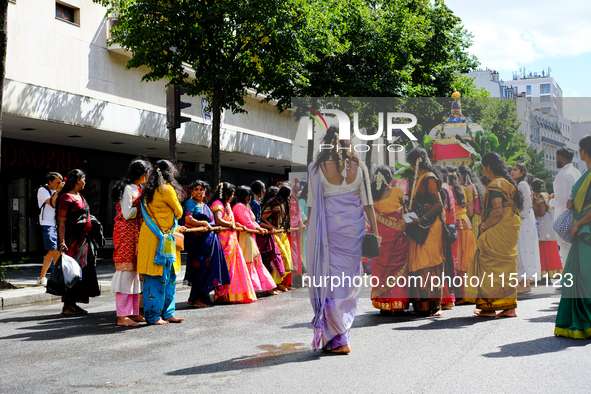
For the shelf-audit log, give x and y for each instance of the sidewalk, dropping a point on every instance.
(27, 274)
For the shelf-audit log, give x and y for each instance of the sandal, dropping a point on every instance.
(70, 311)
(79, 310)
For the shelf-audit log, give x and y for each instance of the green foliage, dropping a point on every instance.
(534, 160)
(6, 265)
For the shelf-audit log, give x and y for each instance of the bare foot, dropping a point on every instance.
(160, 322)
(345, 349)
(175, 319)
(290, 288)
(200, 304)
(190, 303)
(126, 322)
(448, 305)
(138, 318)
(507, 313)
(481, 313)
(282, 288)
(438, 313)
(460, 302)
(272, 292)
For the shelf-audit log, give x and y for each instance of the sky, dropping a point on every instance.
(511, 35)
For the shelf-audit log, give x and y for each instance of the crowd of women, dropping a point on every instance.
(249, 241)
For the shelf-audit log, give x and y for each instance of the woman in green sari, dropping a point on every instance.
(574, 312)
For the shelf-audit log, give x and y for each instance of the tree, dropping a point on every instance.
(232, 46)
(294, 48)
(3, 44)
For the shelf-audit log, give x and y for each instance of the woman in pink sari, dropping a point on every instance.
(240, 289)
(261, 278)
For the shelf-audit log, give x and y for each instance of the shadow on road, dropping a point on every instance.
(536, 346)
(272, 355)
(50, 327)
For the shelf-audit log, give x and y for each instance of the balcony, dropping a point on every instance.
(552, 142)
(112, 21)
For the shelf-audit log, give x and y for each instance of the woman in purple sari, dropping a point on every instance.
(338, 195)
(206, 263)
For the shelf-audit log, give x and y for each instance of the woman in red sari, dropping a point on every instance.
(391, 267)
(74, 225)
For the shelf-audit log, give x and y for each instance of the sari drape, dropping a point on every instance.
(78, 226)
(335, 233)
(206, 262)
(391, 294)
(496, 254)
(573, 319)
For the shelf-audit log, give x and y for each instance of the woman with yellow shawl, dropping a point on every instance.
(492, 276)
(425, 261)
(573, 319)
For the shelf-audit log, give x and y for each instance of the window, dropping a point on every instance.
(66, 13)
(544, 99)
(528, 90)
(545, 88)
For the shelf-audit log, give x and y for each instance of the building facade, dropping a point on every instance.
(69, 102)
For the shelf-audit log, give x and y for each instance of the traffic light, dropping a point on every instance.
(174, 106)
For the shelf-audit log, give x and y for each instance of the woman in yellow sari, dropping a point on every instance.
(425, 260)
(495, 263)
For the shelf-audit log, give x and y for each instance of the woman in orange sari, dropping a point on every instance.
(425, 260)
(465, 243)
(496, 253)
(390, 265)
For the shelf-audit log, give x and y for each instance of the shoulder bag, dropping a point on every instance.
(563, 225)
(370, 247)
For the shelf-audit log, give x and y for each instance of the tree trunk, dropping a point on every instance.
(216, 109)
(3, 42)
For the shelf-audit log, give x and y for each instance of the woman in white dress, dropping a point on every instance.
(528, 260)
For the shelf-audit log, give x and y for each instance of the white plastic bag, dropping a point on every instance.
(71, 270)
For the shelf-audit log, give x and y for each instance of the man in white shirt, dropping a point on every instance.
(46, 199)
(563, 184)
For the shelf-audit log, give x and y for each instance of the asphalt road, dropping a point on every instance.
(265, 347)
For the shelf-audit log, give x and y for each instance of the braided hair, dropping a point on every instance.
(454, 182)
(380, 181)
(420, 160)
(339, 152)
(164, 172)
(499, 168)
(275, 196)
(472, 179)
(222, 193)
(136, 169)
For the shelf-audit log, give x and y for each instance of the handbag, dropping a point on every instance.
(563, 225)
(56, 284)
(370, 247)
(179, 238)
(71, 270)
(179, 241)
(417, 232)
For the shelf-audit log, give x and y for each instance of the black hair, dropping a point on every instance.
(222, 193)
(499, 168)
(523, 168)
(50, 176)
(136, 169)
(164, 172)
(278, 196)
(241, 194)
(73, 177)
(454, 182)
(257, 186)
(205, 187)
(425, 164)
(337, 155)
(538, 185)
(567, 153)
(304, 193)
(442, 170)
(585, 144)
(484, 180)
(386, 172)
(470, 178)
